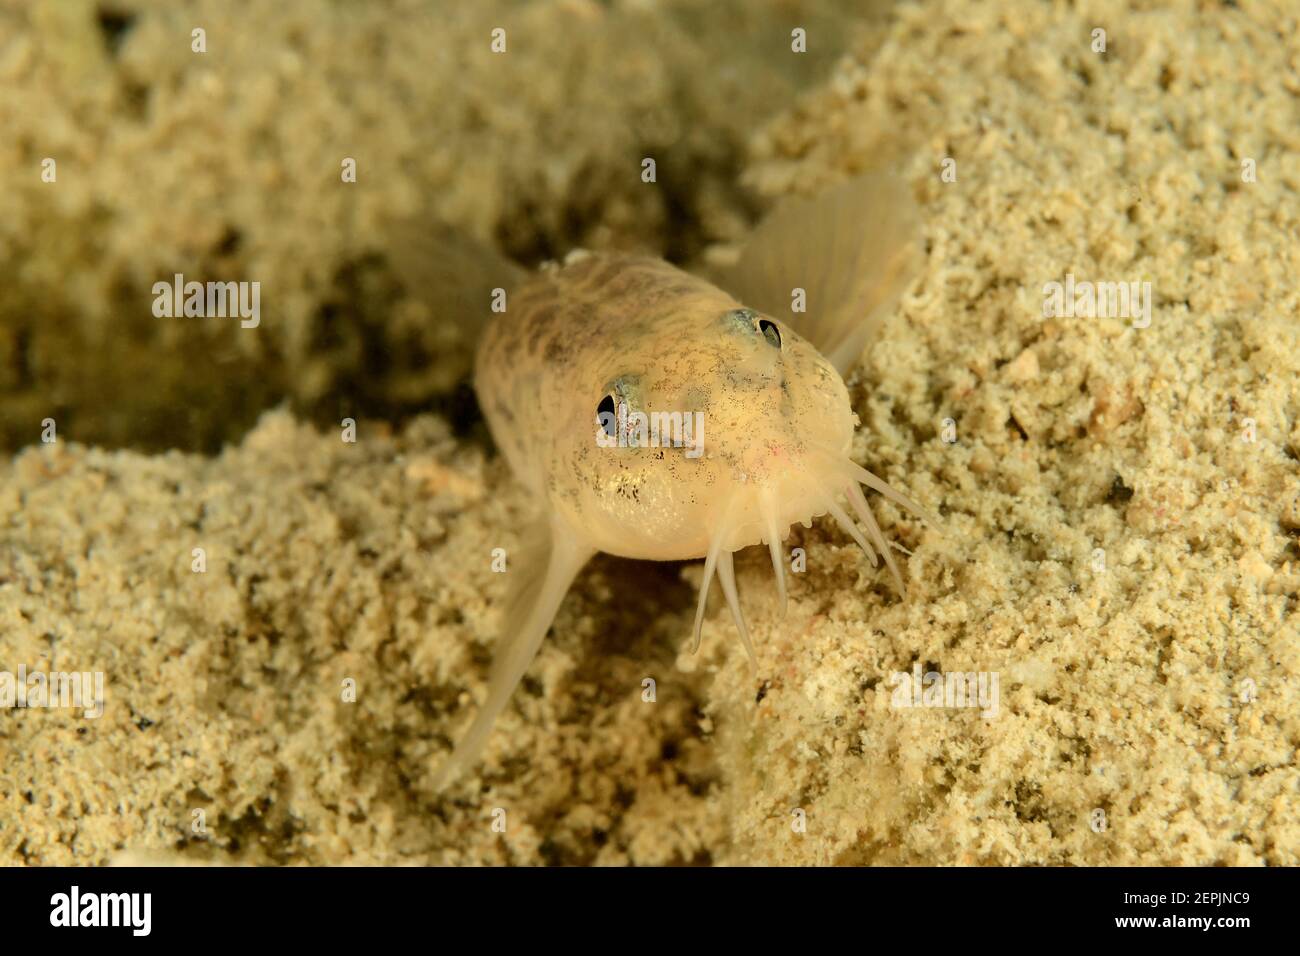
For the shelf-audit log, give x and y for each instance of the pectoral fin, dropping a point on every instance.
(853, 250)
(540, 574)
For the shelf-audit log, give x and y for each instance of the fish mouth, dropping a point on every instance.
(766, 513)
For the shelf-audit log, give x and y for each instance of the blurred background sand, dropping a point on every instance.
(1158, 687)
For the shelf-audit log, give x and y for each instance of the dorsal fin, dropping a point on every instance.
(853, 249)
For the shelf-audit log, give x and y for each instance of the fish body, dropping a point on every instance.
(640, 334)
(655, 414)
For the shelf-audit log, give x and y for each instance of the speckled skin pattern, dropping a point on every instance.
(661, 340)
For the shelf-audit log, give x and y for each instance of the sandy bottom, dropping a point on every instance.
(1119, 502)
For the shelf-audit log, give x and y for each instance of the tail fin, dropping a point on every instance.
(852, 249)
(544, 567)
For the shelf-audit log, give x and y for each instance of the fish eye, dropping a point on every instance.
(605, 416)
(745, 318)
(749, 319)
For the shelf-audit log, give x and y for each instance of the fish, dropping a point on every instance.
(656, 414)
